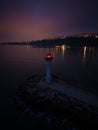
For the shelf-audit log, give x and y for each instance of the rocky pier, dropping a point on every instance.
(59, 110)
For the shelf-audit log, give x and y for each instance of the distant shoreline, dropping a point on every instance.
(72, 41)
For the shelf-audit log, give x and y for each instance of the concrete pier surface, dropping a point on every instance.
(71, 91)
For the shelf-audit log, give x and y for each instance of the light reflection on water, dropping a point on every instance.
(62, 49)
(84, 53)
(77, 64)
(74, 64)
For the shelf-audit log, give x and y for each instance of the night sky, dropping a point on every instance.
(22, 20)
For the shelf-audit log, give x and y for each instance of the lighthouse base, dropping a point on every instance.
(48, 72)
(48, 80)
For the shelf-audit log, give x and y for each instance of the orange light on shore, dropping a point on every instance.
(48, 57)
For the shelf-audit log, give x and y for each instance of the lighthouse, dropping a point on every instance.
(48, 59)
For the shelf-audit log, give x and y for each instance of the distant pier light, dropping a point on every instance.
(48, 59)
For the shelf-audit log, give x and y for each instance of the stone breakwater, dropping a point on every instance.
(38, 97)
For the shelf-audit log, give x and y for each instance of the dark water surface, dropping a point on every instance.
(78, 66)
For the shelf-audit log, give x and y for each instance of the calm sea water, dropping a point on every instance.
(77, 66)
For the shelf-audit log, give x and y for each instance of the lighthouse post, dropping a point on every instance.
(48, 59)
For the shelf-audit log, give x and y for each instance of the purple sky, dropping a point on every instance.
(22, 20)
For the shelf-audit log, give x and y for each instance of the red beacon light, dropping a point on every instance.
(48, 57)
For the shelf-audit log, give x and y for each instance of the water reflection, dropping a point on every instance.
(61, 49)
(70, 62)
(84, 53)
(89, 53)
